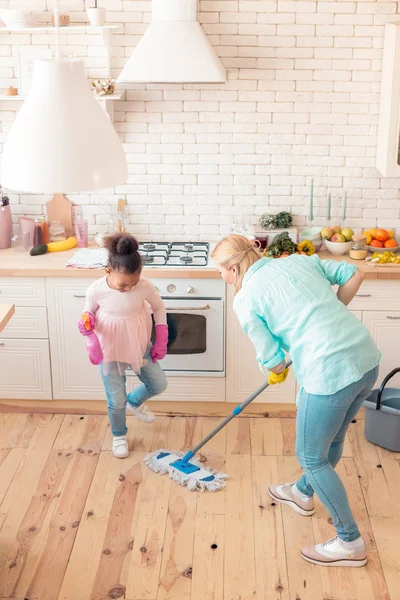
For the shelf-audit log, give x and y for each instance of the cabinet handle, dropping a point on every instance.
(393, 318)
(79, 295)
(363, 295)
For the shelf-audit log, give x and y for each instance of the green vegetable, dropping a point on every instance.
(284, 220)
(39, 249)
(267, 221)
(281, 243)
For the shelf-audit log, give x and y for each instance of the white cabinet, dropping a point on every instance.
(29, 322)
(74, 377)
(25, 369)
(243, 375)
(385, 329)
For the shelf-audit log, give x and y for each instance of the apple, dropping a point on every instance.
(336, 229)
(347, 233)
(338, 238)
(327, 233)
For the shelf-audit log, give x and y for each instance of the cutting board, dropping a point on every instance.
(59, 208)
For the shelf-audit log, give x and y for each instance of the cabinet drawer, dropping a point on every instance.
(25, 369)
(27, 322)
(377, 295)
(23, 291)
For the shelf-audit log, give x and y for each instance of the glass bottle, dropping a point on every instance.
(38, 233)
(45, 229)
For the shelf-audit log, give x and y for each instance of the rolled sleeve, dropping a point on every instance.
(269, 353)
(337, 273)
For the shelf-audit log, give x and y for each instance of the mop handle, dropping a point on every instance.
(236, 411)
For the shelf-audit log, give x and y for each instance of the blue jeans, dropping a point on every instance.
(153, 381)
(321, 426)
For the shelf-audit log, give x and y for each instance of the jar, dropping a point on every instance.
(358, 250)
(57, 232)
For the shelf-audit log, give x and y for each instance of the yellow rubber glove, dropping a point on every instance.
(274, 378)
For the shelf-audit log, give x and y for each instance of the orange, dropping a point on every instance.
(381, 235)
(376, 244)
(390, 244)
(372, 232)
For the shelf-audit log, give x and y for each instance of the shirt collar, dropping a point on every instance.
(255, 267)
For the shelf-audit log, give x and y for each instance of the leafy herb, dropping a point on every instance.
(281, 243)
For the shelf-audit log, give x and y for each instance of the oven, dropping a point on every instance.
(196, 326)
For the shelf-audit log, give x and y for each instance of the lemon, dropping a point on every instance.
(390, 233)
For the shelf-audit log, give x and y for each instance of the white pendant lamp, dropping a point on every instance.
(61, 139)
(174, 49)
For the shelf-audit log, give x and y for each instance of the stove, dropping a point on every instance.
(174, 254)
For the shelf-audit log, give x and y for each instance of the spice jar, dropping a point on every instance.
(358, 250)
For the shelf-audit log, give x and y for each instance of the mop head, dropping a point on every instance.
(189, 473)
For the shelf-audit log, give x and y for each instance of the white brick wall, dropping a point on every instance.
(301, 102)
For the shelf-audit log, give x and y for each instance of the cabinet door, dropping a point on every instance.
(25, 369)
(243, 374)
(385, 329)
(74, 377)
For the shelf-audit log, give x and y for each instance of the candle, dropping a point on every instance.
(311, 213)
(344, 206)
(328, 213)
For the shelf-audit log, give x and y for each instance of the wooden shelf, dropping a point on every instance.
(117, 96)
(49, 28)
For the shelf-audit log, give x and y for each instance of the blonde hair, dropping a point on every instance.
(236, 251)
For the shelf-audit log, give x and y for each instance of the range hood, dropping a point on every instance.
(174, 49)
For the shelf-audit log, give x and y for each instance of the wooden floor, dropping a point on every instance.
(78, 524)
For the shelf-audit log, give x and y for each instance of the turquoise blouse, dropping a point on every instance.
(288, 305)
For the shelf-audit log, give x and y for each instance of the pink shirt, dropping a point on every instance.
(123, 320)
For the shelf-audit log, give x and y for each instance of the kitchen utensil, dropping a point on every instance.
(5, 223)
(27, 226)
(186, 470)
(121, 215)
(57, 232)
(59, 208)
(338, 248)
(381, 250)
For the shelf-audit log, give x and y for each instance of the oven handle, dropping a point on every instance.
(185, 308)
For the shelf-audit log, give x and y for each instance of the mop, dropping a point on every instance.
(187, 470)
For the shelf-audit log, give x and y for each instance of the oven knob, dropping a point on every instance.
(171, 288)
(189, 289)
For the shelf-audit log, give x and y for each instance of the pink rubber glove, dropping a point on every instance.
(160, 345)
(82, 326)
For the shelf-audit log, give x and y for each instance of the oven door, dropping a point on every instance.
(196, 336)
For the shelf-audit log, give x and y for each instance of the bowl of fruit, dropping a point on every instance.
(381, 240)
(337, 241)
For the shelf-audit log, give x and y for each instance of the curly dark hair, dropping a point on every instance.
(124, 254)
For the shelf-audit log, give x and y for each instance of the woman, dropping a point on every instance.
(289, 306)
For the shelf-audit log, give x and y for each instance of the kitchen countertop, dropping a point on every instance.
(21, 264)
(6, 312)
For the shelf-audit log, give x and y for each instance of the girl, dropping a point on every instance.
(119, 307)
(289, 306)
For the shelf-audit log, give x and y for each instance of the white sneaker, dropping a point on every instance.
(284, 495)
(334, 554)
(141, 412)
(120, 446)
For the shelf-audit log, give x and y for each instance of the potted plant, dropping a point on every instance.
(96, 15)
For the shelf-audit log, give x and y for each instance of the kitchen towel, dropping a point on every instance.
(89, 258)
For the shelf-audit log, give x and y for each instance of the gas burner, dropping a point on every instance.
(176, 254)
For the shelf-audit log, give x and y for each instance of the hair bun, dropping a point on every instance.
(122, 244)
